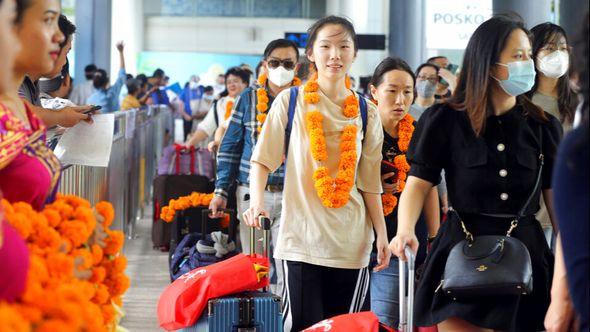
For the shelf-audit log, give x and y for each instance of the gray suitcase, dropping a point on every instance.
(406, 298)
(244, 312)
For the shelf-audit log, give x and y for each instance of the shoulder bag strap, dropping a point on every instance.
(294, 91)
(215, 113)
(521, 212)
(363, 109)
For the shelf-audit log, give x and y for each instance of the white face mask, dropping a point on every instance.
(193, 85)
(554, 64)
(281, 76)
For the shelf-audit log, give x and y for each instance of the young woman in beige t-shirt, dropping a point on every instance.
(331, 199)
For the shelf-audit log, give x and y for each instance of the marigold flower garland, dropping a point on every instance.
(76, 278)
(405, 132)
(228, 107)
(262, 97)
(333, 192)
(195, 199)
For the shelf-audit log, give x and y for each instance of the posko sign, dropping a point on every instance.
(450, 24)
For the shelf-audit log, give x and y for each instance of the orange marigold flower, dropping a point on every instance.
(401, 185)
(296, 81)
(106, 210)
(120, 283)
(37, 269)
(97, 254)
(47, 239)
(228, 108)
(30, 313)
(347, 82)
(12, 320)
(401, 163)
(261, 117)
(347, 145)
(261, 107)
(21, 224)
(60, 265)
(262, 79)
(263, 98)
(320, 172)
(119, 264)
(53, 217)
(75, 231)
(389, 203)
(311, 98)
(84, 258)
(102, 294)
(402, 176)
(98, 274)
(311, 86)
(114, 242)
(350, 111)
(108, 313)
(53, 325)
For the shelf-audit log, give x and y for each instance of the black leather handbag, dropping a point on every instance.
(490, 264)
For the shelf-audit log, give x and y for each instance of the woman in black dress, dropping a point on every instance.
(487, 138)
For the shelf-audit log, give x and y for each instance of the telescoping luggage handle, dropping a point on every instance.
(232, 222)
(265, 222)
(406, 299)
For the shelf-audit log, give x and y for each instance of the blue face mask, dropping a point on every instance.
(521, 77)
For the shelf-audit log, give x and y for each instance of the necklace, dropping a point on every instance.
(262, 99)
(405, 132)
(333, 192)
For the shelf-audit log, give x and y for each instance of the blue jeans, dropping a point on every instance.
(385, 294)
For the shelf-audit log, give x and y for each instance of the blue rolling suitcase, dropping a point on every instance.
(244, 312)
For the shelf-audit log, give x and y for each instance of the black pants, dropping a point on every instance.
(313, 293)
(188, 126)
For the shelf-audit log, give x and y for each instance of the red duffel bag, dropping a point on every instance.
(183, 301)
(365, 321)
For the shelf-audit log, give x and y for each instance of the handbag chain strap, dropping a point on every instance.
(521, 213)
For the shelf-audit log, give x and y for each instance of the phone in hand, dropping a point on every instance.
(452, 68)
(388, 167)
(93, 109)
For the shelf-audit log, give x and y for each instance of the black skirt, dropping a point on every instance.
(506, 313)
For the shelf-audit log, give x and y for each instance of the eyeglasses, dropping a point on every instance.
(552, 47)
(288, 64)
(432, 79)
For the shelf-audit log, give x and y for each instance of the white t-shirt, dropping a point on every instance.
(209, 124)
(309, 232)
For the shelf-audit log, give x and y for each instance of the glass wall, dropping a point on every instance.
(237, 8)
(447, 29)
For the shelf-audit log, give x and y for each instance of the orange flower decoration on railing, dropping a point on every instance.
(76, 278)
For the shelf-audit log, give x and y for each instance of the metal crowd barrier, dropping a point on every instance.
(139, 137)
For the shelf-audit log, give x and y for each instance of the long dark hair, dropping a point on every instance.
(543, 34)
(474, 86)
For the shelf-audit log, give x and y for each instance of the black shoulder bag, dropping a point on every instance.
(491, 264)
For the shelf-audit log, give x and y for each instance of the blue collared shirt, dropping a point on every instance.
(235, 150)
(108, 99)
